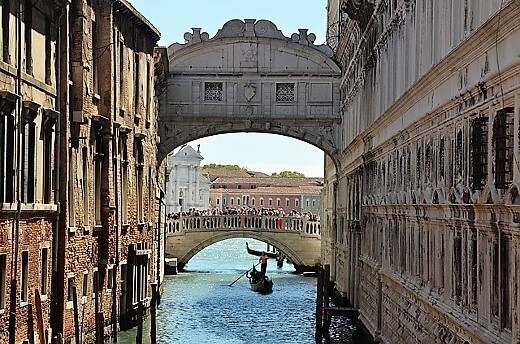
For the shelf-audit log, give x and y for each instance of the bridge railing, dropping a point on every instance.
(241, 222)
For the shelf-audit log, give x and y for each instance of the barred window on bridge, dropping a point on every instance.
(285, 92)
(213, 91)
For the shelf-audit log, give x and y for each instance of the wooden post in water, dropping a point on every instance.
(153, 328)
(319, 306)
(326, 298)
(76, 314)
(30, 324)
(100, 318)
(139, 337)
(39, 317)
(58, 339)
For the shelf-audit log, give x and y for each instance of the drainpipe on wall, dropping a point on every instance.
(58, 239)
(334, 225)
(115, 171)
(16, 223)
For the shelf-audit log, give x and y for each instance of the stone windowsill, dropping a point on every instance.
(26, 207)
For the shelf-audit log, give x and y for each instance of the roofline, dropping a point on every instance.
(139, 17)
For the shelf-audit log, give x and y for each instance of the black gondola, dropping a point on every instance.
(273, 255)
(259, 283)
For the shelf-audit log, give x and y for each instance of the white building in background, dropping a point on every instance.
(186, 187)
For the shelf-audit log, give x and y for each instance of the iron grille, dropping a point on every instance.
(213, 91)
(285, 92)
(503, 140)
(479, 152)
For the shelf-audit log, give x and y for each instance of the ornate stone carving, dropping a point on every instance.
(360, 10)
(249, 92)
(251, 28)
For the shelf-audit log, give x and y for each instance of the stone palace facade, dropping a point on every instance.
(423, 215)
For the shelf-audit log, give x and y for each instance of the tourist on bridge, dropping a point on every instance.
(263, 266)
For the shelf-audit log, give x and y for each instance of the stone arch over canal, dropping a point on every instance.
(297, 238)
(249, 77)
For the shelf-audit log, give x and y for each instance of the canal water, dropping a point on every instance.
(199, 306)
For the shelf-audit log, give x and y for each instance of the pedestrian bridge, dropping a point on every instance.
(296, 237)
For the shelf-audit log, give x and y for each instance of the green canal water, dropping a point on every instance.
(199, 306)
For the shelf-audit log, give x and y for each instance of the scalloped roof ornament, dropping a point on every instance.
(251, 28)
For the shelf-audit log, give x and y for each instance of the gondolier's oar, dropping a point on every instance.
(243, 274)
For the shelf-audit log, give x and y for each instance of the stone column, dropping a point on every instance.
(175, 182)
(197, 185)
(189, 200)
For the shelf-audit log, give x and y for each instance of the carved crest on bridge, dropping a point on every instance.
(249, 92)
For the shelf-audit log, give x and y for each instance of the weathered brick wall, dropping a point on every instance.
(91, 247)
(34, 221)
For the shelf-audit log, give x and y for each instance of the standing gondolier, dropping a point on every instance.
(263, 261)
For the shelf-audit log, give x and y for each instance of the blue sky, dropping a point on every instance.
(259, 152)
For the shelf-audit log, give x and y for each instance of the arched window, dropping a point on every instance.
(253, 202)
(278, 202)
(270, 202)
(261, 202)
(296, 202)
(287, 202)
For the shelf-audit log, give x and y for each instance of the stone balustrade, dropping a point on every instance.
(243, 222)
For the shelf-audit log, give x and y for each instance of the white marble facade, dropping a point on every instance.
(423, 234)
(186, 187)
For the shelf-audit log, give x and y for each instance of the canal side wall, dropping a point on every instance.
(420, 223)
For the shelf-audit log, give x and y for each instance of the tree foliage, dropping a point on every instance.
(288, 174)
(224, 167)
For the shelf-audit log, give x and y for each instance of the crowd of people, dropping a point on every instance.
(243, 211)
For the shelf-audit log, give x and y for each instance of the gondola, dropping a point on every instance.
(259, 283)
(259, 253)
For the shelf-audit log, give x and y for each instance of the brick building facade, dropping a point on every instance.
(108, 237)
(78, 176)
(29, 116)
(255, 190)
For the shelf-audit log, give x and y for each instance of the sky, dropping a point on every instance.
(259, 152)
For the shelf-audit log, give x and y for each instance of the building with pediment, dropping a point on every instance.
(186, 187)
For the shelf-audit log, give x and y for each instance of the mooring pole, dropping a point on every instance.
(76, 314)
(319, 306)
(30, 324)
(139, 337)
(326, 297)
(153, 328)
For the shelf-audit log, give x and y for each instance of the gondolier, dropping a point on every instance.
(263, 261)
